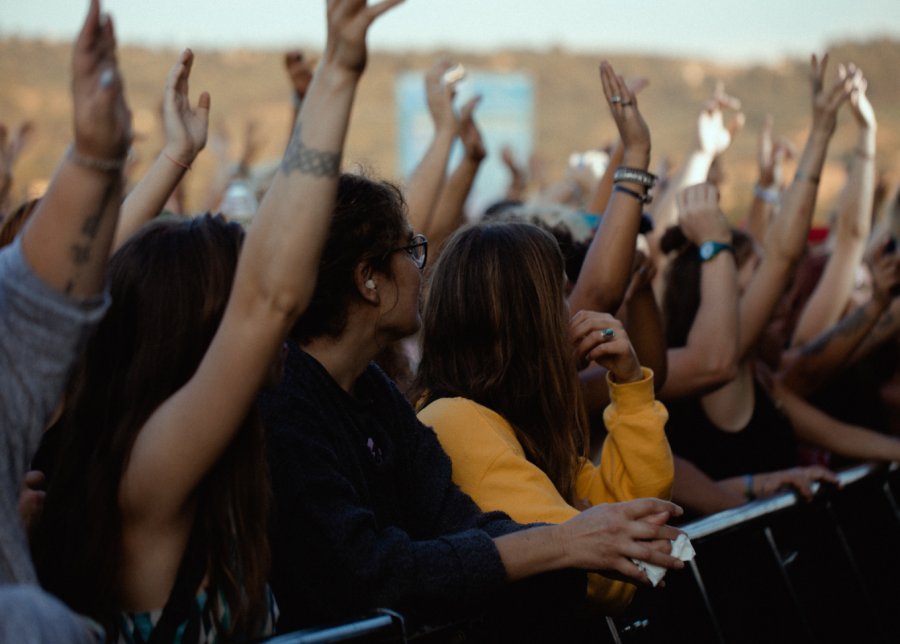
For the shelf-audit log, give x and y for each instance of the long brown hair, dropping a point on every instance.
(495, 330)
(169, 286)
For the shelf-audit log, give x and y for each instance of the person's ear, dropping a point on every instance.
(367, 283)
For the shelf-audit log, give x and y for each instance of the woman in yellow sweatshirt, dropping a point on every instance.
(499, 385)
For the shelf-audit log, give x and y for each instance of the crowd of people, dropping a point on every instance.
(333, 394)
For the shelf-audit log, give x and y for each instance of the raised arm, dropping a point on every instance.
(785, 240)
(714, 136)
(185, 129)
(67, 241)
(274, 282)
(854, 222)
(805, 368)
(428, 178)
(709, 357)
(606, 272)
(449, 213)
(771, 154)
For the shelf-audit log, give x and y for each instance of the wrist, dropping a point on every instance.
(178, 154)
(336, 76)
(109, 165)
(711, 248)
(767, 193)
(559, 546)
(636, 157)
(630, 376)
(749, 492)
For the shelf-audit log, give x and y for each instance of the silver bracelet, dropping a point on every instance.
(634, 175)
(103, 165)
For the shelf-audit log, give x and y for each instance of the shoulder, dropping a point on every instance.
(464, 425)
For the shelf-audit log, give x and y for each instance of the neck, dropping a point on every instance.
(345, 357)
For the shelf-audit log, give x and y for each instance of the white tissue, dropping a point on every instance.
(681, 548)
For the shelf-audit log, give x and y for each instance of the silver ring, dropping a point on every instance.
(607, 333)
(616, 99)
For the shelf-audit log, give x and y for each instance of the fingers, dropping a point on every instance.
(466, 111)
(616, 90)
(817, 72)
(91, 26)
(34, 479)
(203, 104)
(640, 508)
(657, 558)
(723, 100)
(736, 124)
(382, 7)
(636, 85)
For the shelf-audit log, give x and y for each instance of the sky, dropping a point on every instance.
(729, 31)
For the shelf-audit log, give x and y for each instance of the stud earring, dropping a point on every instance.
(370, 283)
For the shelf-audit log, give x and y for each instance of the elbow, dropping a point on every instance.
(284, 304)
(721, 368)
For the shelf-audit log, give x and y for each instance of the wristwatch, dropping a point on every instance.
(710, 249)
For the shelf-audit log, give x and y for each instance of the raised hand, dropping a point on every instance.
(607, 537)
(826, 102)
(469, 134)
(622, 101)
(440, 95)
(601, 338)
(348, 23)
(860, 106)
(102, 118)
(186, 127)
(699, 214)
(713, 135)
(771, 155)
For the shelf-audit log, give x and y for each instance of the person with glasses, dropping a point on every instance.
(367, 515)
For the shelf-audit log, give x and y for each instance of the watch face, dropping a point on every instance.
(706, 250)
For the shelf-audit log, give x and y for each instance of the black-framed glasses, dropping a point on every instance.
(417, 249)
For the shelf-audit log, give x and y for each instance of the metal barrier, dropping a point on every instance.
(385, 626)
(774, 570)
(784, 570)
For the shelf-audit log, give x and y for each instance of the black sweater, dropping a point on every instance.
(367, 515)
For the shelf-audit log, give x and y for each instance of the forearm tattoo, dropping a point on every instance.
(317, 163)
(81, 250)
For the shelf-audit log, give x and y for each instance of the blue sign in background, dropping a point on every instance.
(505, 117)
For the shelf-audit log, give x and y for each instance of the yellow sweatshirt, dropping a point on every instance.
(489, 464)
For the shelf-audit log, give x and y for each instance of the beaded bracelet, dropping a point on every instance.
(103, 165)
(634, 175)
(637, 195)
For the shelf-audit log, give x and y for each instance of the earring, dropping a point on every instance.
(370, 283)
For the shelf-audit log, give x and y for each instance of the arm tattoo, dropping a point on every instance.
(81, 252)
(317, 163)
